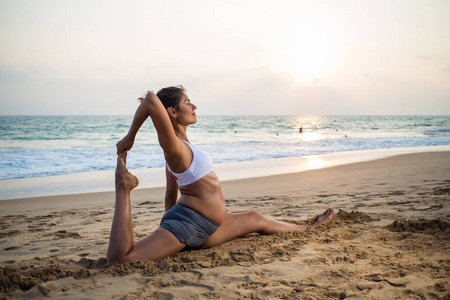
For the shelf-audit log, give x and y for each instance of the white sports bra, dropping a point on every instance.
(201, 165)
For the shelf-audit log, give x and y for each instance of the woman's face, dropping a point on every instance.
(186, 111)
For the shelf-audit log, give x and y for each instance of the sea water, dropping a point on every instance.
(37, 146)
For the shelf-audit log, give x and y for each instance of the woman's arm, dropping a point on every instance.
(127, 142)
(140, 116)
(171, 191)
(151, 106)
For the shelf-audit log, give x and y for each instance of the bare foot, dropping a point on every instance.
(324, 218)
(124, 179)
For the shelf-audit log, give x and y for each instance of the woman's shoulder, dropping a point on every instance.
(180, 158)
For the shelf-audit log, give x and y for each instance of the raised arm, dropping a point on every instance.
(151, 106)
(140, 116)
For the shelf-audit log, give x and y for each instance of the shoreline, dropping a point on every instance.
(103, 181)
(252, 186)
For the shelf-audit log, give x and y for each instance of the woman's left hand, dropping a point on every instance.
(125, 144)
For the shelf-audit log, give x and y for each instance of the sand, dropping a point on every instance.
(389, 239)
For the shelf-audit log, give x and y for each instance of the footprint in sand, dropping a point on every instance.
(97, 213)
(396, 193)
(9, 233)
(151, 203)
(65, 234)
(9, 262)
(12, 248)
(87, 222)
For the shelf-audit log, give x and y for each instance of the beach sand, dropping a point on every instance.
(389, 239)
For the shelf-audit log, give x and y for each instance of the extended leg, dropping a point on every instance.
(237, 225)
(122, 248)
(121, 239)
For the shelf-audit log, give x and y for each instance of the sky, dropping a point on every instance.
(253, 57)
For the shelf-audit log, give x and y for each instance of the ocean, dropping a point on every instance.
(37, 146)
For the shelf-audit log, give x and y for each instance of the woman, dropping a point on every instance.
(198, 219)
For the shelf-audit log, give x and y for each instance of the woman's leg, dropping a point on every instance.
(122, 248)
(237, 225)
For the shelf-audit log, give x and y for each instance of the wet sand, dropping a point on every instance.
(389, 239)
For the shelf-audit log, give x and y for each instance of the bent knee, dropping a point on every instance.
(112, 260)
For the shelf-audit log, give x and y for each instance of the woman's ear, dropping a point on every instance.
(172, 112)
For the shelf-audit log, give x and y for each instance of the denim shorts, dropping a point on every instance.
(188, 226)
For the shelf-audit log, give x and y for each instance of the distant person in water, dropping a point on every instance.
(199, 218)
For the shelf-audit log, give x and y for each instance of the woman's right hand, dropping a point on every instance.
(125, 144)
(147, 96)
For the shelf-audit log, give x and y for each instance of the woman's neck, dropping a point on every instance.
(180, 132)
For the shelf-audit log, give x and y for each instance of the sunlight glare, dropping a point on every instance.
(314, 162)
(310, 136)
(310, 128)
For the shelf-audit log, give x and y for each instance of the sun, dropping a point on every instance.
(305, 49)
(307, 57)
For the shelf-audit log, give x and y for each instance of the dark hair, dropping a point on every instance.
(171, 96)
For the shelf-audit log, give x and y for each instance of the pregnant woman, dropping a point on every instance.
(199, 218)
